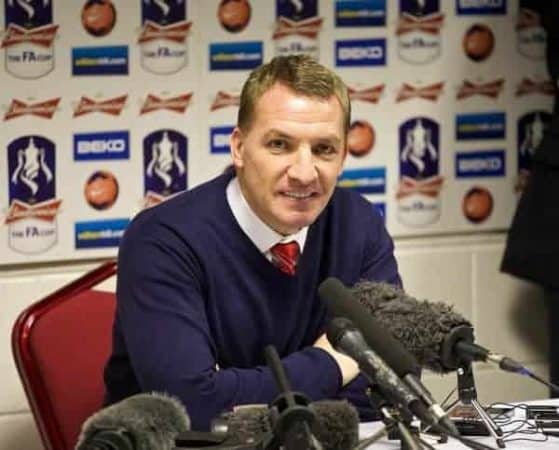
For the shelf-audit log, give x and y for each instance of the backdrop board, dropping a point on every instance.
(112, 106)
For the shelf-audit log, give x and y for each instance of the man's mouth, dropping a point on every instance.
(299, 195)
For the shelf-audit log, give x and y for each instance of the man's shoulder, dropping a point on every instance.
(347, 201)
(188, 207)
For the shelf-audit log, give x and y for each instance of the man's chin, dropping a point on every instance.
(294, 224)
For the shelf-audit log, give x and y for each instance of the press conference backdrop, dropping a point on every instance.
(109, 107)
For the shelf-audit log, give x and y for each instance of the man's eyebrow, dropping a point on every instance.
(274, 133)
(277, 134)
(330, 138)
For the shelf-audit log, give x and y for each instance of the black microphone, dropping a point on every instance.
(341, 303)
(141, 422)
(440, 338)
(346, 338)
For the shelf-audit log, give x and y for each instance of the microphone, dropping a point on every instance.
(337, 424)
(346, 338)
(251, 427)
(141, 422)
(420, 326)
(340, 303)
(440, 338)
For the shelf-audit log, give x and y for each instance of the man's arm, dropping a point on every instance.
(161, 312)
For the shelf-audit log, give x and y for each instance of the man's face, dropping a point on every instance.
(289, 160)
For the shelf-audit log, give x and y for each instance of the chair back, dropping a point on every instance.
(60, 346)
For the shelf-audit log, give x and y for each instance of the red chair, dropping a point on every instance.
(60, 345)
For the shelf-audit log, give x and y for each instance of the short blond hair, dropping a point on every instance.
(300, 73)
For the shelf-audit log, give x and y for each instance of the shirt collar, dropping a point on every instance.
(259, 233)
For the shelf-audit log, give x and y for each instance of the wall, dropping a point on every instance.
(508, 316)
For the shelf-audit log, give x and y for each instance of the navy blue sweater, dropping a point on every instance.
(197, 302)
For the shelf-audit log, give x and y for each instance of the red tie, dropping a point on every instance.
(285, 256)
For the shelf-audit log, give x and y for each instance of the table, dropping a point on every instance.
(367, 429)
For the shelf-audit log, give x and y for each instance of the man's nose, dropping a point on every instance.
(303, 169)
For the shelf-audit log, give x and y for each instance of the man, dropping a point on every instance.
(202, 286)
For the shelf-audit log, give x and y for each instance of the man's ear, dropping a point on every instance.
(237, 147)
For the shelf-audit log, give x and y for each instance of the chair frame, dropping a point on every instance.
(27, 367)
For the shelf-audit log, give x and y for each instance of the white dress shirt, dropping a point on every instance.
(259, 233)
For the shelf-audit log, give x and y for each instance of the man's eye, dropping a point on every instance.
(278, 144)
(325, 149)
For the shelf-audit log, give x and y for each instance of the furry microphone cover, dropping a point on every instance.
(420, 326)
(152, 421)
(336, 426)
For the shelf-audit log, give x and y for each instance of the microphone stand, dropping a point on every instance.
(467, 395)
(397, 426)
(292, 419)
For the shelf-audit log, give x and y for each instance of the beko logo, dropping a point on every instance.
(219, 139)
(489, 163)
(106, 145)
(367, 52)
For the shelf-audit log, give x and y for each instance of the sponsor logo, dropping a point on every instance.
(477, 204)
(163, 38)
(478, 42)
(489, 163)
(534, 85)
(112, 106)
(225, 99)
(101, 190)
(491, 125)
(531, 36)
(99, 233)
(481, 7)
(235, 55)
(297, 28)
(371, 180)
(219, 139)
(296, 10)
(431, 92)
(176, 104)
(234, 15)
(369, 95)
(361, 138)
(491, 89)
(418, 31)
(165, 156)
(361, 52)
(98, 17)
(101, 146)
(31, 217)
(297, 37)
(28, 39)
(307, 28)
(530, 132)
(44, 109)
(418, 194)
(360, 13)
(110, 60)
